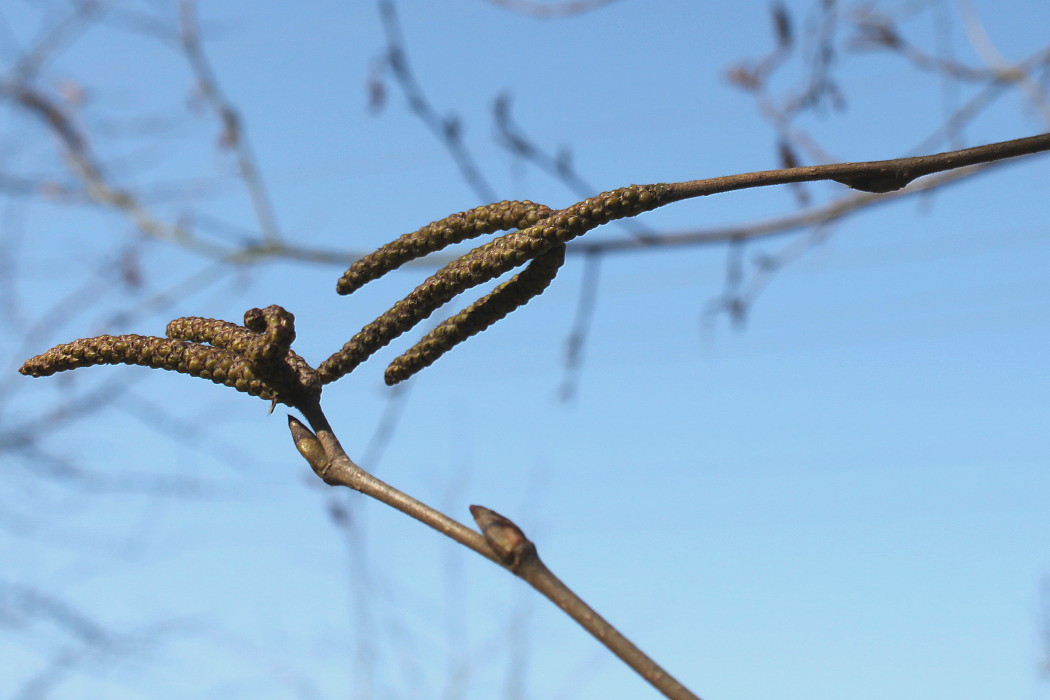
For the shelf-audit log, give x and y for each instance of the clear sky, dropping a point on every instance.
(846, 497)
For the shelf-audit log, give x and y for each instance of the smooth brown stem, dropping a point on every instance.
(535, 572)
(337, 469)
(340, 470)
(518, 554)
(869, 176)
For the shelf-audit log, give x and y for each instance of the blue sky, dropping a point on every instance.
(847, 497)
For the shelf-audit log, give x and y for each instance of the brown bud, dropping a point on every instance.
(508, 542)
(308, 444)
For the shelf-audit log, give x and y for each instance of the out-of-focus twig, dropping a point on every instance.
(511, 136)
(550, 10)
(233, 130)
(581, 326)
(447, 129)
(58, 34)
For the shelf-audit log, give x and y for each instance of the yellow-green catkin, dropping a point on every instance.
(221, 334)
(265, 349)
(505, 298)
(499, 256)
(275, 330)
(218, 365)
(437, 235)
(487, 262)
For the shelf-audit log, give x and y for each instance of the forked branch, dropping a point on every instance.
(500, 541)
(541, 230)
(257, 358)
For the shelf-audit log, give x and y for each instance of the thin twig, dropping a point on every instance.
(550, 10)
(500, 541)
(870, 176)
(518, 554)
(581, 325)
(332, 464)
(448, 130)
(492, 259)
(233, 135)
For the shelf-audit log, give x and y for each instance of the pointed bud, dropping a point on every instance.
(505, 538)
(308, 444)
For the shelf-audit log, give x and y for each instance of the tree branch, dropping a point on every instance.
(878, 176)
(501, 541)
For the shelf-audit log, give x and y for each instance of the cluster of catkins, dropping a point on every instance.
(256, 358)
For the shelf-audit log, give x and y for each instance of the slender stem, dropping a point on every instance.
(233, 128)
(518, 554)
(536, 573)
(869, 176)
(340, 470)
(502, 541)
(337, 469)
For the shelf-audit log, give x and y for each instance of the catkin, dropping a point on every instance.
(218, 365)
(440, 234)
(505, 298)
(266, 351)
(275, 330)
(486, 262)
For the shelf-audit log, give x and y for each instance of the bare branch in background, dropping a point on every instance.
(576, 343)
(58, 35)
(22, 605)
(1044, 631)
(89, 173)
(559, 166)
(386, 428)
(233, 130)
(537, 241)
(447, 129)
(83, 643)
(873, 30)
(550, 10)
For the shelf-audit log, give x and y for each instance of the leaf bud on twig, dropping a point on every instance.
(308, 445)
(508, 542)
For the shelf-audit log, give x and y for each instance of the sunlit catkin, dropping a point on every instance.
(218, 365)
(275, 330)
(501, 216)
(266, 351)
(487, 262)
(505, 298)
